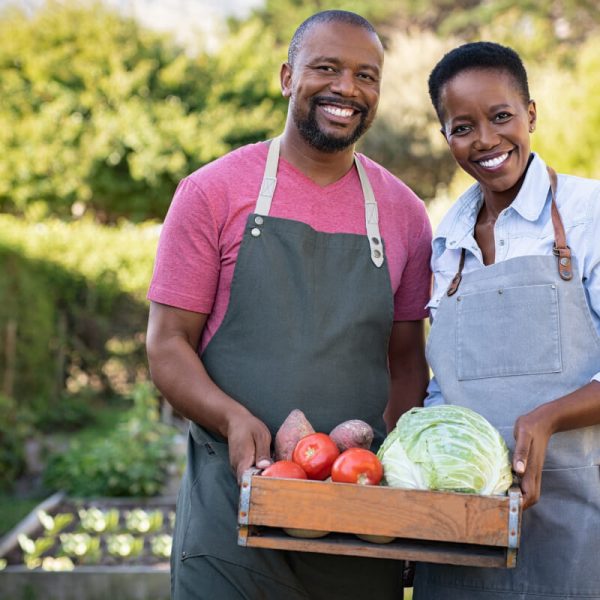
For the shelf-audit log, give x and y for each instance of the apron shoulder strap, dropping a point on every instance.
(560, 249)
(267, 188)
(371, 215)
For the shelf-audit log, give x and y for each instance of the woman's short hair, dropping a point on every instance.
(477, 55)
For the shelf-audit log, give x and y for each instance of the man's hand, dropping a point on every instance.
(178, 372)
(249, 442)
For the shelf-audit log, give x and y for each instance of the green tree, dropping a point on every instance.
(100, 113)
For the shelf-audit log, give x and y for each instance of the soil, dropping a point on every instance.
(145, 558)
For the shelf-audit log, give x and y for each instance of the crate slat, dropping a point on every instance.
(400, 549)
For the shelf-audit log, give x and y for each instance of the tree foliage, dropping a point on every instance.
(101, 114)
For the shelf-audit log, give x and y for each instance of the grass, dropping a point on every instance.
(13, 510)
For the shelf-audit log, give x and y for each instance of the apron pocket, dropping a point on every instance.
(508, 331)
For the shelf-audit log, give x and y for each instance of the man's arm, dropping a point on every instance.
(408, 370)
(176, 369)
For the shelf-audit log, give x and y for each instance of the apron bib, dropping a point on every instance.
(307, 326)
(507, 338)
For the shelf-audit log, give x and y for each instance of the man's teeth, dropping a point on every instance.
(493, 162)
(339, 112)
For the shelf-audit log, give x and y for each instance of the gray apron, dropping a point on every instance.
(505, 339)
(307, 326)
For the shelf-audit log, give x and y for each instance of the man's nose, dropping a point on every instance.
(344, 84)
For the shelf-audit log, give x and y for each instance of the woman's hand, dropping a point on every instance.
(532, 432)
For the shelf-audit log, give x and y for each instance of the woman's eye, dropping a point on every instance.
(502, 116)
(460, 130)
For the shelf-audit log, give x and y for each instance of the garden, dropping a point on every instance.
(101, 117)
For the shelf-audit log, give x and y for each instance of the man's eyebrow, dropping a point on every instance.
(337, 61)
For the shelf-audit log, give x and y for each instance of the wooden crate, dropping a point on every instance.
(437, 527)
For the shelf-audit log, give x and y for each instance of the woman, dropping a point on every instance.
(516, 326)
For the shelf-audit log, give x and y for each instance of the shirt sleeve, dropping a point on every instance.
(592, 264)
(434, 394)
(415, 287)
(186, 269)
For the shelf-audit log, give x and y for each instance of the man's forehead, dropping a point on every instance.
(337, 37)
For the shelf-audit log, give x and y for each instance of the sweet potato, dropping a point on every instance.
(292, 430)
(352, 434)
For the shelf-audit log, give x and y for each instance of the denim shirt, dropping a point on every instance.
(522, 229)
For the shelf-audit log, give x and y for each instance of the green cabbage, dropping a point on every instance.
(446, 447)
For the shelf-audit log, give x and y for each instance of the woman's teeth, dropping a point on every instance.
(493, 162)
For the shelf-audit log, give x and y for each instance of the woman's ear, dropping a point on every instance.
(443, 132)
(532, 115)
(285, 79)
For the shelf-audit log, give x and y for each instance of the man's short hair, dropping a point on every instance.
(477, 55)
(326, 16)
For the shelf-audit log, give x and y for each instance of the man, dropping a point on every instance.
(275, 289)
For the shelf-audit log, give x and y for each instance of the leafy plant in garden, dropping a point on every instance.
(113, 532)
(134, 460)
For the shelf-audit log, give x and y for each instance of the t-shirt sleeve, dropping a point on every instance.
(415, 286)
(186, 269)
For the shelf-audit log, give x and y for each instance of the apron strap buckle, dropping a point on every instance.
(564, 261)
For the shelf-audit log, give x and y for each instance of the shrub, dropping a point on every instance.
(13, 431)
(134, 460)
(73, 296)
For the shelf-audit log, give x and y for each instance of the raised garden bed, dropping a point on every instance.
(71, 549)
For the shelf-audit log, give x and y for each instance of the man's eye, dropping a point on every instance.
(326, 68)
(366, 76)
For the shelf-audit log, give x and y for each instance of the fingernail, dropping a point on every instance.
(263, 464)
(520, 466)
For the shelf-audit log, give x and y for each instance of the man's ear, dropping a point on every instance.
(285, 79)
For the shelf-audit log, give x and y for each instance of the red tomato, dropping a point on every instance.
(285, 468)
(357, 465)
(315, 453)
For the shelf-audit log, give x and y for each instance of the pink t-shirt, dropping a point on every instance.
(203, 230)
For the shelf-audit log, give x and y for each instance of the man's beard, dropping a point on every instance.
(318, 139)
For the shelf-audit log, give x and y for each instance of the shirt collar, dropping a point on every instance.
(456, 228)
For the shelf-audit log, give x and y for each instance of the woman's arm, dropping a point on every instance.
(533, 430)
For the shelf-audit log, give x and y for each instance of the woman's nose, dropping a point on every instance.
(487, 136)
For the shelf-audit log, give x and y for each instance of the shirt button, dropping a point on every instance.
(376, 254)
(259, 220)
(255, 231)
(501, 242)
(375, 240)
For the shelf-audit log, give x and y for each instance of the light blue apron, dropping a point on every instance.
(515, 335)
